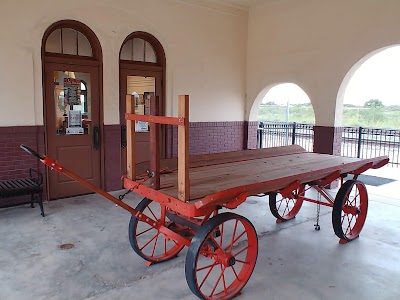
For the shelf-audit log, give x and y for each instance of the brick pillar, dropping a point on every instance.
(252, 134)
(337, 141)
(328, 140)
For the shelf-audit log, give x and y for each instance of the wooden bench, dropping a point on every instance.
(21, 187)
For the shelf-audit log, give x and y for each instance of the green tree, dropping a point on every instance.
(269, 103)
(373, 103)
(349, 105)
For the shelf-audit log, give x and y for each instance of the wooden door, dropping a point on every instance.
(72, 93)
(143, 83)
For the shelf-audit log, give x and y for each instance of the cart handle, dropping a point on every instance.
(54, 165)
(32, 152)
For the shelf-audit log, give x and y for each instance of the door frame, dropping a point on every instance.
(65, 59)
(155, 72)
(139, 66)
(53, 141)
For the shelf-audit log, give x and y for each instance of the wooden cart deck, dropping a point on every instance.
(255, 171)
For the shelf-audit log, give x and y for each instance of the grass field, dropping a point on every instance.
(382, 117)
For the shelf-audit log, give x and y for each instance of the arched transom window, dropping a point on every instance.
(139, 50)
(68, 41)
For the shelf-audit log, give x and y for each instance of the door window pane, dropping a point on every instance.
(150, 54)
(138, 50)
(127, 51)
(72, 102)
(142, 88)
(84, 48)
(69, 41)
(53, 43)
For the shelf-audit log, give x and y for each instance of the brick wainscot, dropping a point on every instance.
(14, 162)
(205, 137)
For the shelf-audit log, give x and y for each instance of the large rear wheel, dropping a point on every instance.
(221, 257)
(350, 210)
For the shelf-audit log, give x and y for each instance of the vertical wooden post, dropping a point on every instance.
(131, 139)
(183, 149)
(155, 144)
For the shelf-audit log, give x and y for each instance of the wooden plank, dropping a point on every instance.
(234, 173)
(276, 171)
(183, 150)
(131, 140)
(155, 145)
(202, 160)
(251, 168)
(210, 180)
(215, 198)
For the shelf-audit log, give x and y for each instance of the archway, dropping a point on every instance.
(368, 102)
(72, 72)
(286, 102)
(285, 116)
(370, 92)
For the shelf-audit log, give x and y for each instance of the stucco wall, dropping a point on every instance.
(205, 50)
(314, 44)
(311, 43)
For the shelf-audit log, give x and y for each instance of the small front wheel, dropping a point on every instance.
(286, 208)
(350, 210)
(221, 257)
(149, 242)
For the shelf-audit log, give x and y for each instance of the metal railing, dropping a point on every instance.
(371, 142)
(356, 141)
(282, 134)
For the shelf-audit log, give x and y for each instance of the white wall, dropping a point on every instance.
(205, 50)
(311, 43)
(314, 44)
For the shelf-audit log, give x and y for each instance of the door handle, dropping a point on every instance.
(96, 137)
(123, 136)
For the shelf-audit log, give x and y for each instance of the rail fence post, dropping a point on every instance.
(259, 141)
(294, 133)
(359, 142)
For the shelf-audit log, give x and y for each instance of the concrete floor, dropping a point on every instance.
(294, 260)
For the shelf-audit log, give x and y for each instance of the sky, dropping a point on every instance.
(377, 78)
(286, 92)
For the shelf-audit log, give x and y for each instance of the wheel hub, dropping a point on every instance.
(231, 261)
(226, 259)
(352, 210)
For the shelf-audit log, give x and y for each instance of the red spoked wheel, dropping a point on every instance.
(149, 242)
(350, 210)
(286, 208)
(221, 257)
